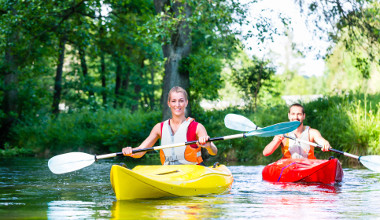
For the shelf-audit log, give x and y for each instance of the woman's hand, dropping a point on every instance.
(205, 143)
(202, 141)
(127, 151)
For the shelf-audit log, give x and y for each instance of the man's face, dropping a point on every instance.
(295, 114)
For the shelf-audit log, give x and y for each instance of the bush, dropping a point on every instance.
(350, 123)
(93, 132)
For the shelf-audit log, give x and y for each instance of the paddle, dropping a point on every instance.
(241, 123)
(372, 162)
(69, 162)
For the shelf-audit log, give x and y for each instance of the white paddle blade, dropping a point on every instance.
(69, 162)
(239, 123)
(372, 162)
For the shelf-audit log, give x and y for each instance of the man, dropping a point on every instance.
(297, 149)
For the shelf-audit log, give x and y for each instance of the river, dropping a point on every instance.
(29, 190)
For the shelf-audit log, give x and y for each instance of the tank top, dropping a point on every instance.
(297, 149)
(183, 154)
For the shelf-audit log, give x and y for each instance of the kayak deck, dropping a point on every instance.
(157, 181)
(304, 170)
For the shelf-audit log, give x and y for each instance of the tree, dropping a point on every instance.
(127, 39)
(176, 45)
(58, 75)
(20, 38)
(183, 22)
(251, 79)
(355, 23)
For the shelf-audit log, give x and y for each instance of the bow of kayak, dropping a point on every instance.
(157, 181)
(304, 170)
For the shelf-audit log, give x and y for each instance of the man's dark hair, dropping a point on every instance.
(297, 105)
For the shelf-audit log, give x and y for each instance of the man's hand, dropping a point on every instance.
(326, 146)
(279, 138)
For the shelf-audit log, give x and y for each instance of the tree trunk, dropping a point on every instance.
(125, 84)
(83, 63)
(103, 77)
(58, 76)
(151, 93)
(137, 86)
(118, 81)
(10, 98)
(178, 48)
(258, 85)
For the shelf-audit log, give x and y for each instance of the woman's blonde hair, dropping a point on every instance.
(177, 89)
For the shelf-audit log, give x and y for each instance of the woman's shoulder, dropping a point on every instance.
(157, 127)
(199, 126)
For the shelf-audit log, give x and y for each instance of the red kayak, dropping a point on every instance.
(304, 170)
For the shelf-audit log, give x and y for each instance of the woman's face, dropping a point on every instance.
(177, 103)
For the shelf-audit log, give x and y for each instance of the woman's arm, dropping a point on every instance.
(203, 138)
(154, 135)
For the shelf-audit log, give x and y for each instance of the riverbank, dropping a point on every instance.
(351, 123)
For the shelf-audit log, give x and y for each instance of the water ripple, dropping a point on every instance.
(29, 190)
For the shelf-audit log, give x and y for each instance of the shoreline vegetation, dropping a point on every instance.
(350, 122)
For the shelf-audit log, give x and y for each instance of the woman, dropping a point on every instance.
(177, 129)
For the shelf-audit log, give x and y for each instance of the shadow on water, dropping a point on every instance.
(29, 190)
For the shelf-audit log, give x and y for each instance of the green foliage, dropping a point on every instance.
(205, 77)
(294, 84)
(354, 62)
(355, 28)
(350, 123)
(351, 71)
(363, 65)
(123, 53)
(95, 132)
(14, 151)
(213, 44)
(251, 79)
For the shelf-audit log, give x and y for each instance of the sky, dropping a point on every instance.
(302, 36)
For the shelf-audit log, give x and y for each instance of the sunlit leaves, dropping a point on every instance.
(356, 23)
(250, 80)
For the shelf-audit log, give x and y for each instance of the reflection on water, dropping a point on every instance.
(170, 208)
(308, 187)
(70, 210)
(29, 190)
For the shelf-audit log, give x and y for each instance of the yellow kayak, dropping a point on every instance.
(157, 181)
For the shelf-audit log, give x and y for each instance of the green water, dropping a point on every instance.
(30, 191)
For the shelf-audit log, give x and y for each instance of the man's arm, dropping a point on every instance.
(273, 145)
(315, 136)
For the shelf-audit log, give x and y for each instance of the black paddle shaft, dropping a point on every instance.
(318, 145)
(187, 143)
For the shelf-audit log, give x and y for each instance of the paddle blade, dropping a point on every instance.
(239, 123)
(69, 162)
(276, 129)
(372, 162)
